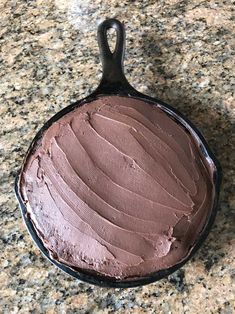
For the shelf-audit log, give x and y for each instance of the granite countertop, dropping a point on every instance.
(179, 51)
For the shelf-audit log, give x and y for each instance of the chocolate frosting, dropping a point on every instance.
(118, 187)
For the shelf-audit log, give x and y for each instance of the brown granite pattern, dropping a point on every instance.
(180, 51)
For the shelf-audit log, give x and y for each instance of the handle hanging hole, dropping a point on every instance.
(111, 34)
(114, 30)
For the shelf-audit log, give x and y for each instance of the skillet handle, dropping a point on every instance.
(113, 78)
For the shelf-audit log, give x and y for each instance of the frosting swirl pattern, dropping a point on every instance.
(118, 187)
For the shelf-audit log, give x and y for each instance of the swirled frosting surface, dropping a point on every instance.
(118, 187)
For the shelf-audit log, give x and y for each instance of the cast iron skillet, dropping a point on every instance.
(113, 82)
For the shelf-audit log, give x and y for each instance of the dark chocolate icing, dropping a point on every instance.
(118, 187)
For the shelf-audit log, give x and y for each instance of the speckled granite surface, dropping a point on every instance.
(180, 51)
